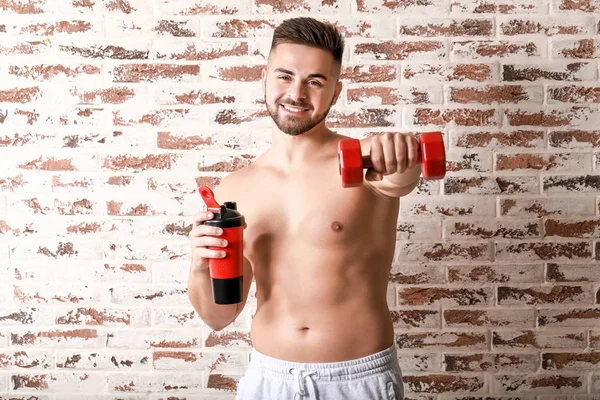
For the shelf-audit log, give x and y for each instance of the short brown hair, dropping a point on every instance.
(310, 32)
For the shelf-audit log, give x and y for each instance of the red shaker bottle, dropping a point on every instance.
(226, 273)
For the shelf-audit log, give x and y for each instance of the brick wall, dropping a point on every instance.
(112, 112)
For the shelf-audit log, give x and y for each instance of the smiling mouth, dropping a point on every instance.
(293, 109)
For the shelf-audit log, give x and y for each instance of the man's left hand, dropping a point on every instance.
(392, 153)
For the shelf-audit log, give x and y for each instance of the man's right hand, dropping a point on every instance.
(203, 236)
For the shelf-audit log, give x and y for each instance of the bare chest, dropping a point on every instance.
(315, 211)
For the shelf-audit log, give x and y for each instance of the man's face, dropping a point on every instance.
(301, 84)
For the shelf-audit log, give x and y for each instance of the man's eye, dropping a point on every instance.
(315, 83)
(283, 77)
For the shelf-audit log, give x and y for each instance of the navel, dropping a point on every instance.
(336, 226)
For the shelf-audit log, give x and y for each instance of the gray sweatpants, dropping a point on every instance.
(374, 377)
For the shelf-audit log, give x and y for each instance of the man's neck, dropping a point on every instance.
(293, 152)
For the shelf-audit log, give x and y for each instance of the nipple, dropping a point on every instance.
(336, 226)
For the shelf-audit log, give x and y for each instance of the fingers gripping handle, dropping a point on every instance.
(431, 155)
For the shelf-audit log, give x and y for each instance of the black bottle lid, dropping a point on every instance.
(227, 216)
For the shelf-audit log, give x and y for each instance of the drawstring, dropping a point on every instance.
(300, 376)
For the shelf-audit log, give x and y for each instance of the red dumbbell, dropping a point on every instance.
(432, 156)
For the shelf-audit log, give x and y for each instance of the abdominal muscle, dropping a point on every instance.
(311, 311)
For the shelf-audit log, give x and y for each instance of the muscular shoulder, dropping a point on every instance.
(232, 186)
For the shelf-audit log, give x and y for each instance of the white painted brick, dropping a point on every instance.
(176, 317)
(155, 338)
(15, 315)
(114, 360)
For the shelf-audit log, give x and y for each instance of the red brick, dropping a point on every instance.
(572, 273)
(239, 73)
(574, 139)
(543, 251)
(224, 163)
(578, 5)
(50, 72)
(450, 72)
(154, 338)
(448, 207)
(33, 140)
(574, 94)
(415, 318)
(443, 383)
(49, 29)
(75, 338)
(498, 140)
(451, 28)
(554, 71)
(155, 72)
(469, 229)
(113, 95)
(17, 315)
(20, 95)
(190, 96)
(207, 7)
(28, 7)
(29, 48)
(365, 118)
(571, 317)
(492, 185)
(540, 384)
(420, 296)
(408, 50)
(533, 339)
(580, 228)
(558, 117)
(557, 294)
(571, 361)
(108, 51)
(502, 362)
(239, 28)
(382, 95)
(458, 116)
(139, 317)
(546, 26)
(583, 48)
(26, 359)
(59, 381)
(401, 7)
(563, 162)
(200, 51)
(512, 318)
(577, 183)
(175, 28)
(489, 49)
(512, 94)
(444, 252)
(369, 73)
(445, 341)
(480, 162)
(499, 6)
(544, 206)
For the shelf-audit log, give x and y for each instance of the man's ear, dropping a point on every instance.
(338, 90)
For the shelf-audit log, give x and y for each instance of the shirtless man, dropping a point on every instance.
(321, 254)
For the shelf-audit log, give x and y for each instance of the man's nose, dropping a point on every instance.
(297, 91)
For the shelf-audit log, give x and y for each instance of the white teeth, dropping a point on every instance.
(293, 109)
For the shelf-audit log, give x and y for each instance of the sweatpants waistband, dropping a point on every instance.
(344, 370)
